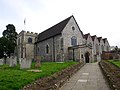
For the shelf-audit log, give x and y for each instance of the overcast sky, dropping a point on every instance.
(97, 17)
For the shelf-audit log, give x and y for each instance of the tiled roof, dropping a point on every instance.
(104, 40)
(53, 31)
(99, 38)
(93, 37)
(86, 35)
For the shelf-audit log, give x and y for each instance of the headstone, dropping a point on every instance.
(1, 61)
(20, 60)
(25, 64)
(13, 61)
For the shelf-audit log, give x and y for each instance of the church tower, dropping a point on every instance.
(25, 44)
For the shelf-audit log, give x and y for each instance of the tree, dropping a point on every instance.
(9, 37)
(116, 49)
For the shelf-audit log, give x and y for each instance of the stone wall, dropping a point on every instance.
(41, 50)
(68, 33)
(25, 49)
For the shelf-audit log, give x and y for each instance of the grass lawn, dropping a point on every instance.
(15, 79)
(115, 62)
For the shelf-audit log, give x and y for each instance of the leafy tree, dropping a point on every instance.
(9, 39)
(10, 33)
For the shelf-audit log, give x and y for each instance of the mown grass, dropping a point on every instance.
(115, 62)
(14, 78)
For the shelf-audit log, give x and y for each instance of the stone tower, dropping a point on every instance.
(25, 44)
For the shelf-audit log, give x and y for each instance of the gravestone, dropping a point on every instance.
(25, 64)
(20, 60)
(13, 61)
(1, 61)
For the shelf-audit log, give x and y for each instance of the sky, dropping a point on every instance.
(97, 17)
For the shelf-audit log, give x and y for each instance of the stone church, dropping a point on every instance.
(61, 42)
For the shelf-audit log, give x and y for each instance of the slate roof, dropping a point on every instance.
(86, 35)
(99, 38)
(104, 40)
(93, 37)
(53, 31)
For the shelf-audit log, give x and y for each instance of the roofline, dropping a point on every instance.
(78, 26)
(47, 38)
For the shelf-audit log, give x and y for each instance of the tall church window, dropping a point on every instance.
(29, 40)
(61, 42)
(38, 49)
(73, 41)
(18, 41)
(97, 49)
(47, 49)
(107, 48)
(102, 47)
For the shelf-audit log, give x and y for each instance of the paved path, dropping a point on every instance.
(89, 77)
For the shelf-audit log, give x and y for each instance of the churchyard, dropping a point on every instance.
(15, 76)
(23, 74)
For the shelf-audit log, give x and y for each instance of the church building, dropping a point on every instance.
(65, 42)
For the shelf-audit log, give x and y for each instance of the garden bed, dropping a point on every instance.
(55, 81)
(112, 74)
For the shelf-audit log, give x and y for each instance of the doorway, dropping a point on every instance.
(87, 59)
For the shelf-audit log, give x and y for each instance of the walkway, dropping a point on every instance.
(89, 77)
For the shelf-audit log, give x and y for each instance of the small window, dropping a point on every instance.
(73, 28)
(29, 40)
(47, 49)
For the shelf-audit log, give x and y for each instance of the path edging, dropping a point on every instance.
(55, 81)
(107, 76)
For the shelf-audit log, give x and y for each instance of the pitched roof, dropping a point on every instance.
(93, 37)
(53, 31)
(86, 35)
(104, 40)
(99, 38)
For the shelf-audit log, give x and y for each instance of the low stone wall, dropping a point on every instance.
(55, 81)
(112, 74)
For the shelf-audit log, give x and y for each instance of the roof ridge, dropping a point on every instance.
(54, 30)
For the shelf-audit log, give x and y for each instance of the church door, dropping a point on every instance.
(87, 57)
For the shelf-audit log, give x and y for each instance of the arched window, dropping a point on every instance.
(73, 41)
(38, 49)
(97, 48)
(18, 41)
(47, 49)
(61, 42)
(29, 40)
(107, 48)
(102, 47)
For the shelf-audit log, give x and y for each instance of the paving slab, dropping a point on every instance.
(89, 77)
